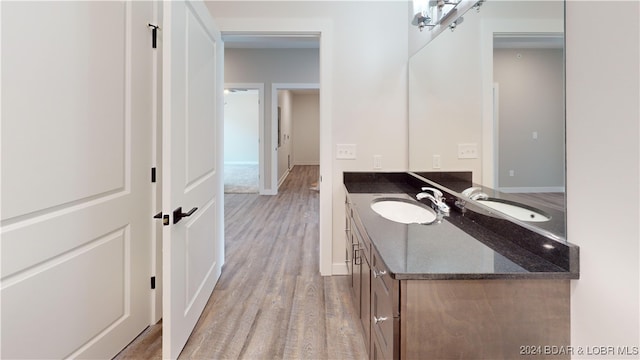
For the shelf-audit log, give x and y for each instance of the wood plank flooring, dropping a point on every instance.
(270, 301)
(553, 200)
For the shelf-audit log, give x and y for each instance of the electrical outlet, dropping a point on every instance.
(512, 173)
(436, 162)
(346, 151)
(468, 151)
(377, 162)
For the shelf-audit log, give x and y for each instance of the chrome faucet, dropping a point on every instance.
(472, 193)
(475, 193)
(437, 198)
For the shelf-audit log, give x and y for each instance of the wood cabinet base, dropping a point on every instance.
(484, 319)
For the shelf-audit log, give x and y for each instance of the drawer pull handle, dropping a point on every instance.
(377, 273)
(356, 257)
(377, 320)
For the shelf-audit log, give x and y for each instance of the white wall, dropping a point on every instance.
(306, 129)
(603, 172)
(367, 76)
(241, 126)
(445, 103)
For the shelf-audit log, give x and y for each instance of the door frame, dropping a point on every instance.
(323, 28)
(261, 157)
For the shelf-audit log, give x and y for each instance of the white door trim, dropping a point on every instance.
(260, 88)
(323, 27)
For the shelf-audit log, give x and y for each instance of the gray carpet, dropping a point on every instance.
(240, 179)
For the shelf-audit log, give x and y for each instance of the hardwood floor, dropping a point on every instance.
(270, 301)
(553, 200)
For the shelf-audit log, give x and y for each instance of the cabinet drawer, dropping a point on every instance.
(380, 277)
(384, 325)
(385, 310)
(363, 242)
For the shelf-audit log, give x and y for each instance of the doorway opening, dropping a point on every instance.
(297, 110)
(243, 124)
(315, 35)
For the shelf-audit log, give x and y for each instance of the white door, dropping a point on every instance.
(76, 191)
(192, 184)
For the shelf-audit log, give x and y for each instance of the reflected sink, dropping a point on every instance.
(403, 211)
(516, 210)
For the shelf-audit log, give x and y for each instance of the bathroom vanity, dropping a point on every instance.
(472, 285)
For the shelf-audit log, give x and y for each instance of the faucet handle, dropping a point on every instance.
(436, 192)
(469, 191)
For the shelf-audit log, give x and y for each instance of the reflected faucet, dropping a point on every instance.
(475, 193)
(472, 193)
(436, 198)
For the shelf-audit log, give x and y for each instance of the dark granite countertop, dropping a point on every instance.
(469, 245)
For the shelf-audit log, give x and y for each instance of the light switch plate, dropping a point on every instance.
(346, 151)
(468, 151)
(437, 162)
(377, 162)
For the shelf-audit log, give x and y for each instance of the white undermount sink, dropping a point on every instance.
(403, 211)
(515, 210)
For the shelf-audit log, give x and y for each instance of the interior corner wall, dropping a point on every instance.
(603, 175)
(306, 129)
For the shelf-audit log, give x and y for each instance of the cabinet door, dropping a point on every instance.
(348, 240)
(385, 320)
(355, 276)
(376, 352)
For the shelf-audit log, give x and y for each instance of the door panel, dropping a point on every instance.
(54, 95)
(201, 109)
(192, 98)
(76, 142)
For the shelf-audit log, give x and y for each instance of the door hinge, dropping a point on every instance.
(153, 174)
(153, 282)
(154, 35)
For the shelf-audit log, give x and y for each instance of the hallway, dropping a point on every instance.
(271, 301)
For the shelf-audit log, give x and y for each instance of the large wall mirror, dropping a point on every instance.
(488, 97)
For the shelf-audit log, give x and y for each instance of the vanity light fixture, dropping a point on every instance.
(478, 5)
(430, 13)
(454, 24)
(421, 10)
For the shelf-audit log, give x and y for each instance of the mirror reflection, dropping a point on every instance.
(489, 98)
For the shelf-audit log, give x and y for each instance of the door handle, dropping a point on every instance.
(377, 273)
(178, 214)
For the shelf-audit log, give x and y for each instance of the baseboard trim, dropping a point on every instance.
(541, 189)
(283, 178)
(339, 268)
(241, 163)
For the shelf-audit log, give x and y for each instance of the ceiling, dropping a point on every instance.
(528, 41)
(271, 41)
